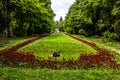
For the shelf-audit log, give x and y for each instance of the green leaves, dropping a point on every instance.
(116, 9)
(93, 16)
(27, 15)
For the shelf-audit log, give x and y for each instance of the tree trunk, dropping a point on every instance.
(8, 18)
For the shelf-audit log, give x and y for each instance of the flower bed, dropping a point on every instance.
(93, 45)
(18, 59)
(102, 59)
(17, 46)
(84, 61)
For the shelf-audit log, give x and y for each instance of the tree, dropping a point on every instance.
(26, 17)
(5, 11)
(61, 19)
(93, 16)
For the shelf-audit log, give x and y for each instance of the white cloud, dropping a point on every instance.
(60, 7)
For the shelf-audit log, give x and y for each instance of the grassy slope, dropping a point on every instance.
(8, 73)
(69, 48)
(9, 42)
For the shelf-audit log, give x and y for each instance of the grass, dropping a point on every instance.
(68, 47)
(99, 41)
(107, 45)
(9, 42)
(9, 73)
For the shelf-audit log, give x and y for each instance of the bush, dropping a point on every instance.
(113, 37)
(82, 32)
(106, 34)
(68, 30)
(117, 27)
(19, 32)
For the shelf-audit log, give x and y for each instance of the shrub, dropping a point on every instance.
(82, 32)
(19, 32)
(106, 34)
(117, 27)
(113, 36)
(56, 53)
(68, 30)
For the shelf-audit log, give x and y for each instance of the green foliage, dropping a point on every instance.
(56, 51)
(68, 30)
(82, 32)
(117, 27)
(116, 9)
(94, 16)
(5, 18)
(27, 14)
(106, 34)
(113, 37)
(19, 32)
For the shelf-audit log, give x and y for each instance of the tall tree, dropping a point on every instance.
(26, 17)
(5, 11)
(93, 16)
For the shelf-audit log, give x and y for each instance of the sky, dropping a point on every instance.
(61, 7)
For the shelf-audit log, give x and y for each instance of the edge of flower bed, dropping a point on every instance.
(19, 45)
(93, 45)
(85, 61)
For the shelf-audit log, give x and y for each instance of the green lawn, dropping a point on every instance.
(107, 45)
(68, 47)
(8, 73)
(9, 42)
(99, 41)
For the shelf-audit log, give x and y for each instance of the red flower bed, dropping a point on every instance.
(16, 47)
(103, 59)
(18, 59)
(85, 61)
(99, 60)
(93, 45)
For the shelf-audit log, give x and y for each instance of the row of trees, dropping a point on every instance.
(93, 17)
(25, 17)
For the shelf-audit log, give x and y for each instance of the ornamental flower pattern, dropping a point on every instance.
(102, 59)
(84, 61)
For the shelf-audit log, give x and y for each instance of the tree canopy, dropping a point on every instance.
(25, 17)
(93, 16)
